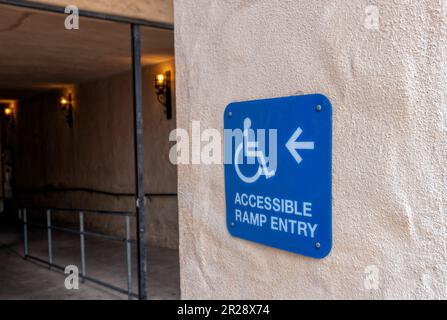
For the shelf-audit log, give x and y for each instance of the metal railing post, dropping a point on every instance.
(25, 234)
(129, 258)
(82, 236)
(50, 243)
(139, 159)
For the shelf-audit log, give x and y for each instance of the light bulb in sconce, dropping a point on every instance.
(8, 111)
(159, 80)
(63, 102)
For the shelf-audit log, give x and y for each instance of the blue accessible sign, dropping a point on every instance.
(278, 173)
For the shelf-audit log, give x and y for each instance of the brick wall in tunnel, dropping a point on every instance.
(97, 153)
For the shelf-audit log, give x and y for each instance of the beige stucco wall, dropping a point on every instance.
(388, 88)
(153, 10)
(97, 153)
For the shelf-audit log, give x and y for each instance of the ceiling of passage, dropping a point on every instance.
(37, 52)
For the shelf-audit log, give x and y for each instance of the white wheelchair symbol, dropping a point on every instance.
(251, 150)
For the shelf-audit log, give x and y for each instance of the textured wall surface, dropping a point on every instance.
(97, 153)
(388, 88)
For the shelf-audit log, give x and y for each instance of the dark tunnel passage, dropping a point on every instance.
(67, 191)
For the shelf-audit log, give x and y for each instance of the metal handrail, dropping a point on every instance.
(82, 233)
(106, 212)
(90, 190)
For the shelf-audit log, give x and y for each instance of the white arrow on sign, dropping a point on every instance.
(293, 145)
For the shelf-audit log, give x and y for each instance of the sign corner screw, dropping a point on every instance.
(232, 224)
(319, 107)
(317, 245)
(230, 114)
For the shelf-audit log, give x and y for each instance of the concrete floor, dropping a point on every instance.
(105, 260)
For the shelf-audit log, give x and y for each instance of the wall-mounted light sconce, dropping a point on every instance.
(8, 110)
(163, 91)
(66, 104)
(9, 114)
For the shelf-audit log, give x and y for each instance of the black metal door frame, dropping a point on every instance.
(135, 25)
